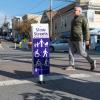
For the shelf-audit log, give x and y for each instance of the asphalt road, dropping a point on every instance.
(18, 83)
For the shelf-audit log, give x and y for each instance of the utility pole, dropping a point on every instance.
(5, 19)
(50, 18)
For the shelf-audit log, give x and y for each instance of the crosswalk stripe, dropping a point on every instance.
(29, 80)
(33, 80)
(1, 47)
(13, 82)
(79, 75)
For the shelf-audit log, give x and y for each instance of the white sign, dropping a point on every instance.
(40, 30)
(40, 49)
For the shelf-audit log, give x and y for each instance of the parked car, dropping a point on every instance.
(94, 37)
(59, 45)
(97, 47)
(9, 38)
(95, 31)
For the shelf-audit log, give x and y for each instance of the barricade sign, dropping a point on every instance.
(40, 49)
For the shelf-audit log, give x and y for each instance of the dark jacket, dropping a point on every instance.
(79, 29)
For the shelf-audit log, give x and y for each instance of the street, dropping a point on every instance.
(18, 83)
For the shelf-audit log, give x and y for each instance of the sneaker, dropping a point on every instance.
(93, 65)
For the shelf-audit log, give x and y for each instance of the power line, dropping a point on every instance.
(66, 0)
(54, 8)
(40, 12)
(58, 6)
(37, 4)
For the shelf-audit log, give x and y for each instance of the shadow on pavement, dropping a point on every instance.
(40, 96)
(16, 74)
(18, 60)
(65, 89)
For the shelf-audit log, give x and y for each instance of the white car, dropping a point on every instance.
(95, 31)
(95, 36)
(59, 45)
(97, 47)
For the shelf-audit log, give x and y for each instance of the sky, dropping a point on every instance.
(11, 8)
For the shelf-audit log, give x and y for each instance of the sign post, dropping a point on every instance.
(40, 51)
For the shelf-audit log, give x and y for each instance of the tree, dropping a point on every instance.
(25, 26)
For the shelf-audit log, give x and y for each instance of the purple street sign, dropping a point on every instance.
(40, 49)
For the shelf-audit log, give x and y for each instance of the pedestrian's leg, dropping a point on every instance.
(71, 57)
(86, 56)
(83, 52)
(71, 53)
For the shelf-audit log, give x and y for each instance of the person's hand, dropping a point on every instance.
(87, 44)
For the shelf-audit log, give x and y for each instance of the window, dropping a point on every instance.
(55, 26)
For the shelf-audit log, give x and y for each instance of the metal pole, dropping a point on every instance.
(50, 18)
(15, 45)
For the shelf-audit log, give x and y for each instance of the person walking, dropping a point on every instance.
(79, 35)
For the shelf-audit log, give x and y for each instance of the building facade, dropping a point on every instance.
(62, 21)
(47, 17)
(91, 9)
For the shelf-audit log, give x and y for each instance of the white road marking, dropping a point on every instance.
(13, 82)
(29, 80)
(46, 78)
(1, 47)
(79, 75)
(4, 60)
(79, 58)
(96, 74)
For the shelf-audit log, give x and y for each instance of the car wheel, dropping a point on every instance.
(51, 49)
(97, 48)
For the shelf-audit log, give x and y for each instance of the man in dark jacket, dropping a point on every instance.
(79, 34)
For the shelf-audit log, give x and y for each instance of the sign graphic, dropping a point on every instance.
(40, 49)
